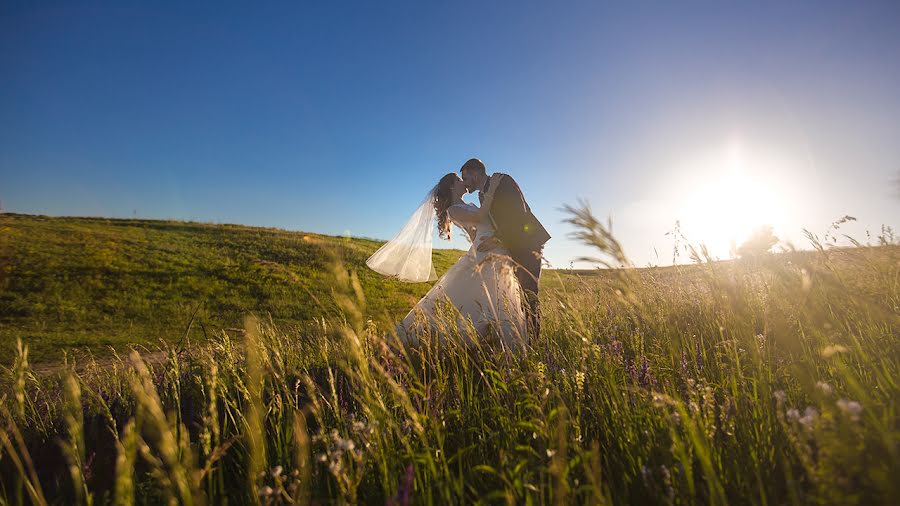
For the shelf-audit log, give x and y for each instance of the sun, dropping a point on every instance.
(731, 193)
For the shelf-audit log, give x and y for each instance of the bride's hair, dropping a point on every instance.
(443, 199)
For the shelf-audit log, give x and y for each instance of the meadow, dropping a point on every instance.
(767, 380)
(91, 284)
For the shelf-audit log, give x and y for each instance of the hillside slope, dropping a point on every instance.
(94, 282)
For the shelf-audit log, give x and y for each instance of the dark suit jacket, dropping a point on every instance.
(516, 227)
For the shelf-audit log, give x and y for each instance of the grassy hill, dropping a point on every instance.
(770, 380)
(70, 283)
(93, 282)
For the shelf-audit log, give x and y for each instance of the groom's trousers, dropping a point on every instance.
(528, 271)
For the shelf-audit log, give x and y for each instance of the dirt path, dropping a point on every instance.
(86, 361)
(45, 369)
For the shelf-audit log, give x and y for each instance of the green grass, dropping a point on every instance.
(90, 283)
(763, 381)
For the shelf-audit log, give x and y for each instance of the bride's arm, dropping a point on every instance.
(465, 217)
(465, 214)
(471, 214)
(471, 232)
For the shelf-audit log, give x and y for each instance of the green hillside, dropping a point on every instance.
(767, 380)
(93, 282)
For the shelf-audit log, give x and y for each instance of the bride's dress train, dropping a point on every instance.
(481, 286)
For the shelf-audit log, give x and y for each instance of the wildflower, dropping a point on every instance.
(658, 400)
(793, 415)
(87, 468)
(850, 408)
(645, 473)
(266, 491)
(694, 407)
(335, 467)
(823, 387)
(780, 396)
(833, 349)
(760, 340)
(667, 481)
(645, 376)
(726, 416)
(276, 471)
(809, 417)
(404, 492)
(699, 355)
(550, 453)
(631, 370)
(615, 347)
(665, 472)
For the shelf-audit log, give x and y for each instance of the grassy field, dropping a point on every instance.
(762, 381)
(92, 283)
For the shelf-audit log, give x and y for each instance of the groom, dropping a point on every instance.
(515, 228)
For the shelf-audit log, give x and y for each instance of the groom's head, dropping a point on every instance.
(474, 174)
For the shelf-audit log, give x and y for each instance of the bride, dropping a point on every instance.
(481, 288)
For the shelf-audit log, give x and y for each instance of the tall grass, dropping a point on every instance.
(765, 382)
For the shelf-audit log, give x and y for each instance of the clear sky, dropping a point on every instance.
(337, 117)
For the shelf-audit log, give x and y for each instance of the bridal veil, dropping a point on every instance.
(407, 256)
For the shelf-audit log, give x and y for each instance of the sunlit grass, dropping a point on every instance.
(767, 381)
(94, 283)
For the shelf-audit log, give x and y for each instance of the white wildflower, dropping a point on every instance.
(645, 473)
(833, 349)
(809, 417)
(823, 387)
(850, 408)
(665, 472)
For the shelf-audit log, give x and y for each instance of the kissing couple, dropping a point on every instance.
(492, 290)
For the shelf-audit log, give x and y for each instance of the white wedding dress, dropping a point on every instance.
(481, 286)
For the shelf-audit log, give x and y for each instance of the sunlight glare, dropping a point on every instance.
(730, 199)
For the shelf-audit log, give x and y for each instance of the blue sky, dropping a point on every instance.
(337, 117)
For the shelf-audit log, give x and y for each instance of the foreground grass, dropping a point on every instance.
(757, 382)
(94, 283)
